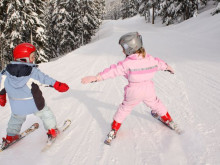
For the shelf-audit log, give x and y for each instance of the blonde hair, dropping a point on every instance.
(141, 51)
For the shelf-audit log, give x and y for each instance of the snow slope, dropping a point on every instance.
(191, 95)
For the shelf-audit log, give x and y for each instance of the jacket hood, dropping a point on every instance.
(18, 73)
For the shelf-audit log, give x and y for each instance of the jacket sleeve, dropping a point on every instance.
(113, 71)
(42, 78)
(160, 64)
(2, 86)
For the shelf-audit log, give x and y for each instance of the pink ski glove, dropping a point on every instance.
(169, 69)
(91, 79)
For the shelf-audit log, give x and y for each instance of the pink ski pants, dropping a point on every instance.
(136, 93)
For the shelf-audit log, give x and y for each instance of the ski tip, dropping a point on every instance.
(180, 132)
(44, 149)
(67, 121)
(36, 125)
(107, 142)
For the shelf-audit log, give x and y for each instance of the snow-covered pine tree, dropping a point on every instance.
(23, 22)
(35, 28)
(113, 10)
(217, 9)
(124, 9)
(99, 9)
(144, 9)
(48, 23)
(168, 11)
(13, 27)
(76, 23)
(90, 20)
(50, 27)
(129, 8)
(61, 23)
(189, 8)
(132, 8)
(2, 38)
(154, 5)
(202, 2)
(177, 10)
(68, 38)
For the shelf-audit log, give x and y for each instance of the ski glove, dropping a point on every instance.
(91, 79)
(169, 69)
(61, 87)
(3, 100)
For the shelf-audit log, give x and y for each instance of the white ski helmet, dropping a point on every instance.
(131, 42)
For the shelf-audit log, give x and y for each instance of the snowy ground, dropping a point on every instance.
(191, 95)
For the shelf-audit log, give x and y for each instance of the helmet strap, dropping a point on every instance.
(25, 59)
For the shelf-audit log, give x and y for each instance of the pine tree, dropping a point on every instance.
(68, 38)
(76, 23)
(217, 9)
(144, 9)
(35, 29)
(202, 2)
(113, 10)
(177, 10)
(50, 26)
(132, 8)
(190, 8)
(124, 9)
(90, 20)
(99, 9)
(129, 8)
(66, 27)
(167, 11)
(13, 27)
(2, 38)
(23, 23)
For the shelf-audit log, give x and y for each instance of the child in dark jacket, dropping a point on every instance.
(21, 80)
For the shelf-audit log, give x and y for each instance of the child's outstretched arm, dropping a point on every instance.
(45, 79)
(111, 72)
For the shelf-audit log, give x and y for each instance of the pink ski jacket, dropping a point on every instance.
(135, 68)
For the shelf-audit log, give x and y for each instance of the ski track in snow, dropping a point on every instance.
(190, 96)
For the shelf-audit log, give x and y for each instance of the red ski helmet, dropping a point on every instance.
(22, 52)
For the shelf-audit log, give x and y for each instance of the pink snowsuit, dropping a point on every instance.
(139, 71)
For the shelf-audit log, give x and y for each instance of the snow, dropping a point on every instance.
(191, 96)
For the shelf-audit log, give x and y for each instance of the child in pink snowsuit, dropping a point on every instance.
(139, 68)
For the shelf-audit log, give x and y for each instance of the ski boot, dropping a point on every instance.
(166, 119)
(112, 133)
(8, 140)
(52, 134)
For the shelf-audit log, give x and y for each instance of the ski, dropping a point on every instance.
(22, 135)
(110, 137)
(61, 129)
(108, 141)
(173, 126)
